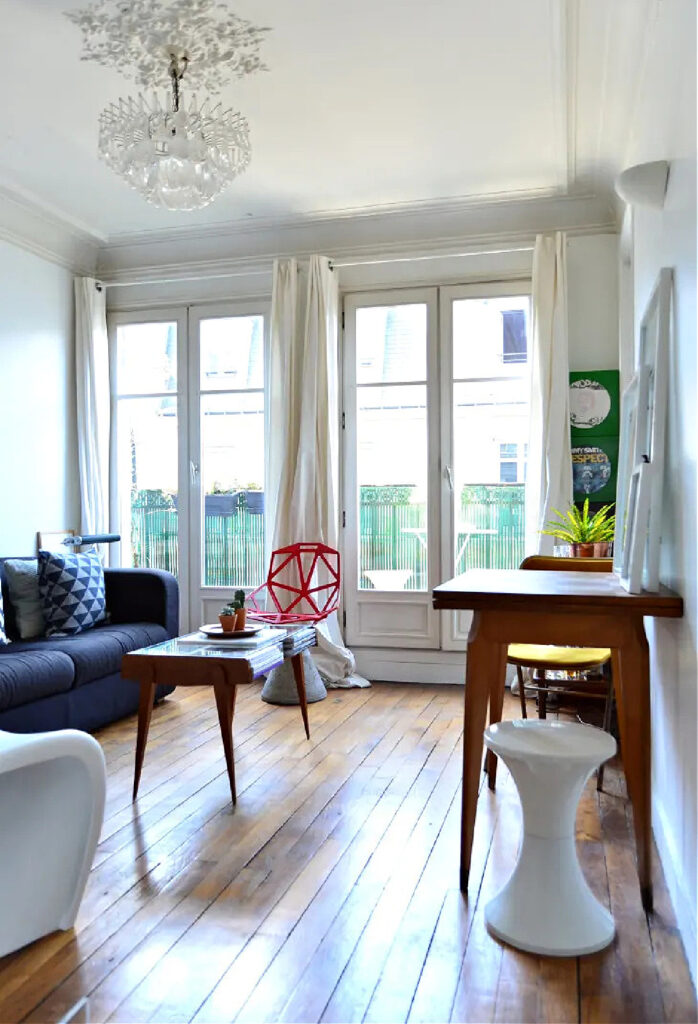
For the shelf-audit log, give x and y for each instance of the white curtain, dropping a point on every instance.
(303, 460)
(549, 470)
(93, 403)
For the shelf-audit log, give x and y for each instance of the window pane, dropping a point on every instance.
(147, 482)
(146, 358)
(232, 353)
(490, 425)
(490, 337)
(514, 342)
(391, 343)
(232, 449)
(392, 479)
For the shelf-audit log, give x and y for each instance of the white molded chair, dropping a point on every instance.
(52, 788)
(547, 907)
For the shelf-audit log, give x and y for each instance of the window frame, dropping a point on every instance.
(206, 600)
(196, 601)
(407, 617)
(165, 314)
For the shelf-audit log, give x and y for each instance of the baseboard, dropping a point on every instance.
(684, 908)
(382, 664)
(405, 666)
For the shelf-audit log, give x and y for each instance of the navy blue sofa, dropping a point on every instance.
(75, 681)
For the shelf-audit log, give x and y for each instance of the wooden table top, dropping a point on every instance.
(550, 590)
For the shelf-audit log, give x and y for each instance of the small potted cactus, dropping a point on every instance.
(233, 615)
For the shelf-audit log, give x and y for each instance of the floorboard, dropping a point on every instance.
(330, 892)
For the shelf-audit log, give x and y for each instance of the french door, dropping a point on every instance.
(435, 445)
(188, 448)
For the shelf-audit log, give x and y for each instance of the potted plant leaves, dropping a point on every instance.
(589, 535)
(233, 615)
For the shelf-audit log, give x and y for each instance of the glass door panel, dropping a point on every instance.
(146, 444)
(391, 411)
(392, 470)
(490, 430)
(232, 450)
(392, 440)
(227, 442)
(147, 447)
(232, 467)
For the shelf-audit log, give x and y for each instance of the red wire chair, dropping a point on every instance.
(289, 585)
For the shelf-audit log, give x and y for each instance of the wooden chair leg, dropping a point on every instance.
(522, 692)
(542, 694)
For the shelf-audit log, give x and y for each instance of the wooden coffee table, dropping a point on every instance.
(174, 663)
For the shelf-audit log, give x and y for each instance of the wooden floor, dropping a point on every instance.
(331, 892)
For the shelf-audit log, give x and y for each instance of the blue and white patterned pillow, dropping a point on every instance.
(3, 634)
(72, 590)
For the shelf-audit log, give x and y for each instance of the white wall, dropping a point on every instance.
(665, 128)
(592, 301)
(38, 480)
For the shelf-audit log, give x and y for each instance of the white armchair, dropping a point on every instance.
(52, 788)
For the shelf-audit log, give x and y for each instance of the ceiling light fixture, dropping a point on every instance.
(178, 156)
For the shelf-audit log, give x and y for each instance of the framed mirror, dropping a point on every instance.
(654, 355)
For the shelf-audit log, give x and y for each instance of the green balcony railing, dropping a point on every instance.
(393, 535)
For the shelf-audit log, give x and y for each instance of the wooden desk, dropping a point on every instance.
(574, 608)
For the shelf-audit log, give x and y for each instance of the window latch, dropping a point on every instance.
(448, 473)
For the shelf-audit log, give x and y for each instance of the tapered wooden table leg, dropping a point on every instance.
(497, 685)
(483, 662)
(299, 676)
(145, 710)
(631, 680)
(225, 702)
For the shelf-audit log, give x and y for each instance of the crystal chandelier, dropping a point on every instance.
(177, 155)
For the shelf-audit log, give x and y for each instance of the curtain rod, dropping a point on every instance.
(138, 282)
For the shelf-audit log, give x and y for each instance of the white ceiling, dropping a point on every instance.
(369, 104)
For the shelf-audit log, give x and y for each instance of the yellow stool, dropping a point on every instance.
(543, 659)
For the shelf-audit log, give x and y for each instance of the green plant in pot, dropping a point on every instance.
(233, 615)
(589, 535)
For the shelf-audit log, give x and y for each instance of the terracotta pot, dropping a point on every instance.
(599, 549)
(241, 618)
(228, 622)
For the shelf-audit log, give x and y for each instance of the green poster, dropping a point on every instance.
(594, 468)
(594, 404)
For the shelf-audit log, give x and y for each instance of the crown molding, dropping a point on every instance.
(435, 228)
(253, 225)
(39, 229)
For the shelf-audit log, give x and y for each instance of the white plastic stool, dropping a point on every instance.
(546, 906)
(52, 787)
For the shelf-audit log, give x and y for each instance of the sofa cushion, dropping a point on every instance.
(97, 652)
(23, 583)
(72, 590)
(3, 635)
(30, 675)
